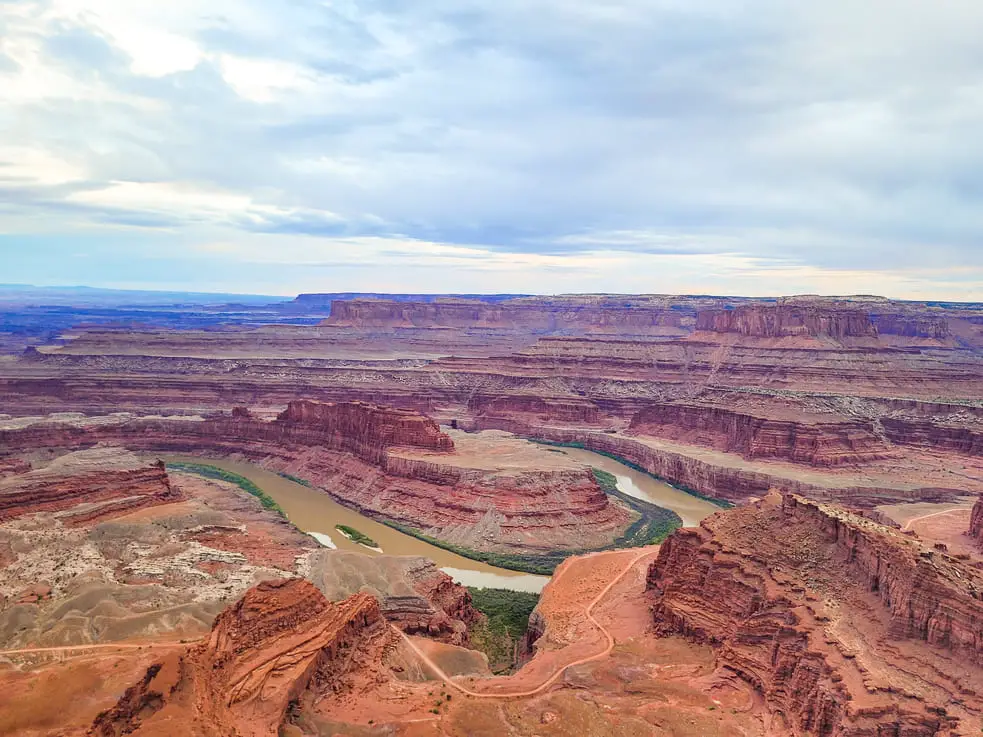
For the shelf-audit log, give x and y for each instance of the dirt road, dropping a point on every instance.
(588, 612)
(100, 646)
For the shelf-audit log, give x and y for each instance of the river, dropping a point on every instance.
(316, 513)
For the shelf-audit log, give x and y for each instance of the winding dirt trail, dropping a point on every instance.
(913, 520)
(553, 678)
(97, 646)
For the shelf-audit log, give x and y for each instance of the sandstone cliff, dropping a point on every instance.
(536, 314)
(781, 320)
(976, 521)
(281, 643)
(966, 438)
(545, 409)
(516, 509)
(715, 479)
(844, 626)
(87, 486)
(808, 439)
(365, 430)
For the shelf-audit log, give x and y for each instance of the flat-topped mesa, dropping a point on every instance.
(813, 439)
(911, 324)
(367, 430)
(844, 626)
(538, 314)
(87, 485)
(824, 319)
(281, 643)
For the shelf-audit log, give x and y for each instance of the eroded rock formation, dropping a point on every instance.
(814, 440)
(87, 486)
(282, 642)
(366, 430)
(545, 409)
(413, 593)
(844, 626)
(976, 521)
(789, 319)
(528, 508)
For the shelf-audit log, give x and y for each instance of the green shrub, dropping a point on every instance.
(214, 472)
(295, 479)
(357, 537)
(507, 619)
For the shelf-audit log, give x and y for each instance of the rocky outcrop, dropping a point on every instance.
(783, 590)
(13, 467)
(536, 314)
(365, 430)
(976, 521)
(87, 486)
(783, 319)
(524, 509)
(545, 409)
(282, 643)
(809, 439)
(966, 438)
(714, 479)
(911, 324)
(413, 593)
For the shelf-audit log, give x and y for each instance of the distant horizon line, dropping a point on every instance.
(355, 293)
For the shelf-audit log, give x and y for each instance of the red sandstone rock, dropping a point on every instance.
(599, 313)
(367, 429)
(910, 324)
(826, 614)
(966, 439)
(517, 510)
(812, 440)
(722, 482)
(545, 409)
(86, 486)
(783, 319)
(34, 594)
(413, 593)
(976, 521)
(282, 642)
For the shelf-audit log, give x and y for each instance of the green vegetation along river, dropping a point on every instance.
(319, 515)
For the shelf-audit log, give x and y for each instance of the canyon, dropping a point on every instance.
(845, 626)
(839, 596)
(387, 463)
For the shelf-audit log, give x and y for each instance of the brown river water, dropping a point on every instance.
(316, 513)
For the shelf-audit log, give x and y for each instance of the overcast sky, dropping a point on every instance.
(760, 147)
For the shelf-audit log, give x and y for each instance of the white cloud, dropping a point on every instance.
(745, 144)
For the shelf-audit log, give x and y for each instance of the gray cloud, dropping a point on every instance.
(825, 134)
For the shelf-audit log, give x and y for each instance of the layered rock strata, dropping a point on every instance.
(87, 486)
(281, 643)
(413, 593)
(844, 626)
(976, 521)
(809, 439)
(789, 319)
(600, 313)
(697, 471)
(964, 439)
(544, 409)
(362, 429)
(528, 509)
